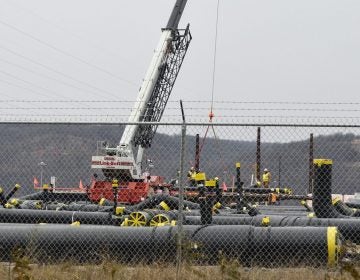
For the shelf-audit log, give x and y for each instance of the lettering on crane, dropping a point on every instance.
(111, 163)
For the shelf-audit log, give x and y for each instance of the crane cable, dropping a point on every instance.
(211, 114)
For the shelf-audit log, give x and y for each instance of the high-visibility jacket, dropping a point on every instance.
(191, 175)
(266, 177)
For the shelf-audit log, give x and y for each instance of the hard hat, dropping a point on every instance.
(192, 168)
(266, 170)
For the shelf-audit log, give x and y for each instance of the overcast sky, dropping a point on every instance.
(276, 50)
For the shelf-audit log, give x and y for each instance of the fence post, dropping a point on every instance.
(181, 201)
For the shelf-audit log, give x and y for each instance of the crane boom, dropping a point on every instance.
(119, 162)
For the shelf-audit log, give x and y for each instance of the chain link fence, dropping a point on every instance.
(202, 198)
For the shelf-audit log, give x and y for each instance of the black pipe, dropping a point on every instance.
(197, 153)
(239, 188)
(258, 154)
(12, 192)
(56, 196)
(115, 187)
(31, 204)
(311, 165)
(268, 190)
(249, 245)
(353, 205)
(343, 209)
(279, 196)
(29, 216)
(322, 201)
(2, 197)
(349, 228)
(205, 203)
(80, 207)
(281, 207)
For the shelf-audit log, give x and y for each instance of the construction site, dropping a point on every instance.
(158, 188)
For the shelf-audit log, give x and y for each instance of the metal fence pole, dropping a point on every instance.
(181, 202)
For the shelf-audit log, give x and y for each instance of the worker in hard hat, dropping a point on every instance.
(266, 178)
(191, 175)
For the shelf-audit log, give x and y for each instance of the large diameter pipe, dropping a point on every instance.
(349, 228)
(56, 196)
(249, 245)
(30, 216)
(322, 201)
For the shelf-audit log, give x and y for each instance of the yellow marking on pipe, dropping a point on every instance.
(102, 201)
(311, 215)
(319, 162)
(115, 183)
(17, 186)
(238, 165)
(164, 206)
(332, 242)
(265, 221)
(336, 200)
(75, 224)
(14, 201)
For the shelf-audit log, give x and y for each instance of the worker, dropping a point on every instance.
(266, 178)
(191, 175)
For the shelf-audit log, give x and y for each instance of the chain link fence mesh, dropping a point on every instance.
(57, 208)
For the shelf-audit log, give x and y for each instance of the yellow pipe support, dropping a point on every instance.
(125, 223)
(76, 224)
(160, 220)
(333, 245)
